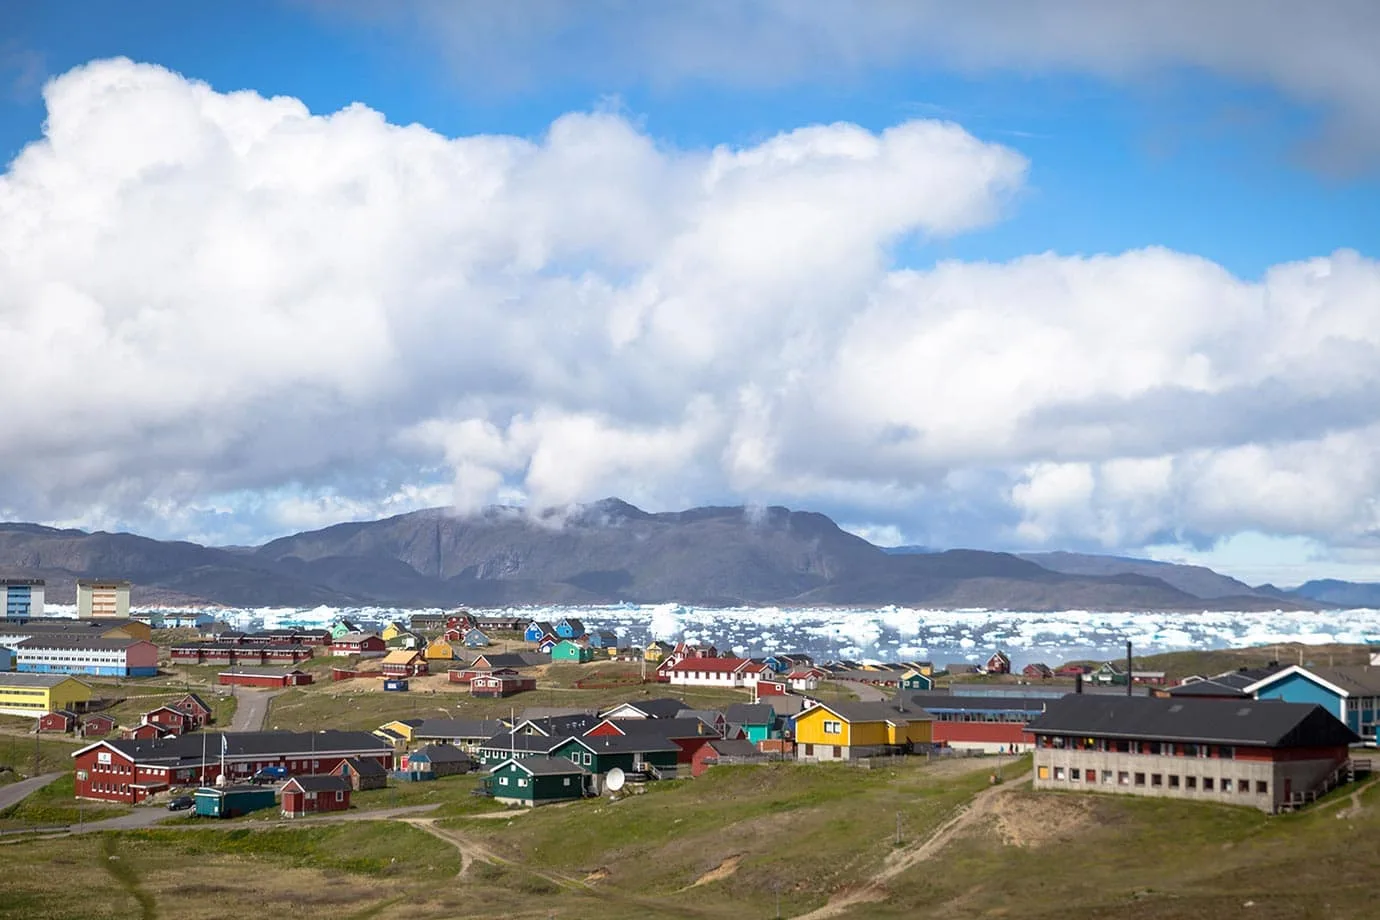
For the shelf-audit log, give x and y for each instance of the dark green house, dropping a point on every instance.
(601, 753)
(536, 780)
(232, 801)
(915, 680)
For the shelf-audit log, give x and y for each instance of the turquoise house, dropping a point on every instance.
(566, 650)
(232, 801)
(1352, 694)
(757, 720)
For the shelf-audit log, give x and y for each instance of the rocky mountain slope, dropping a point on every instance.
(605, 552)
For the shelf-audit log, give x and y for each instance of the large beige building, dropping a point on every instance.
(96, 599)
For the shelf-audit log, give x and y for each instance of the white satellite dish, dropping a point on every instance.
(615, 779)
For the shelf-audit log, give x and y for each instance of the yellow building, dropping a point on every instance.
(398, 733)
(656, 651)
(846, 731)
(440, 649)
(97, 599)
(393, 630)
(131, 629)
(36, 694)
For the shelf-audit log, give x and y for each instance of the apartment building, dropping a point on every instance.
(100, 598)
(21, 598)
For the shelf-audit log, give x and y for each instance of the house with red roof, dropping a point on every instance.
(719, 672)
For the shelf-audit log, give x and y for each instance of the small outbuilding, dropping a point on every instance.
(309, 794)
(435, 761)
(232, 801)
(63, 720)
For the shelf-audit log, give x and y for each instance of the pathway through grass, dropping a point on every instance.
(124, 875)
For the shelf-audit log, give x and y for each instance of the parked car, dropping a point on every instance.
(181, 803)
(269, 775)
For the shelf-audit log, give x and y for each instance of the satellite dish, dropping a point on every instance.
(615, 779)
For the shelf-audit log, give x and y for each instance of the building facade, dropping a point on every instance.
(58, 654)
(21, 598)
(36, 694)
(99, 598)
(1264, 754)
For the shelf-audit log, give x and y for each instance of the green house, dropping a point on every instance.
(232, 801)
(599, 754)
(914, 680)
(567, 650)
(536, 780)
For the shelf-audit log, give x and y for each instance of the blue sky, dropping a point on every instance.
(1237, 145)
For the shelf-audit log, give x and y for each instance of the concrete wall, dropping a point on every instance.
(1135, 774)
(824, 753)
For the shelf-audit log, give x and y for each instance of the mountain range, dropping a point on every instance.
(610, 552)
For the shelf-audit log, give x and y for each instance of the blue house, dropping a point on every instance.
(1352, 694)
(603, 638)
(536, 629)
(569, 628)
(476, 639)
(6, 659)
(546, 645)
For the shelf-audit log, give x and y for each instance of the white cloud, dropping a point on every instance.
(1315, 54)
(213, 301)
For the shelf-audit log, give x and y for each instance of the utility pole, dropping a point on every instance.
(898, 828)
(38, 746)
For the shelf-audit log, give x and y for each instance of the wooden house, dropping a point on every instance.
(174, 721)
(537, 630)
(915, 680)
(310, 794)
(197, 709)
(656, 650)
(362, 644)
(999, 663)
(848, 731)
(536, 780)
(362, 773)
(570, 628)
(475, 638)
(96, 726)
(1037, 671)
(572, 651)
(435, 761)
(440, 649)
(500, 683)
(61, 720)
(403, 663)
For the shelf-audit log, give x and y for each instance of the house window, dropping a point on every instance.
(1074, 774)
(503, 780)
(1058, 772)
(522, 783)
(1243, 786)
(1173, 782)
(567, 781)
(1190, 782)
(588, 758)
(1207, 783)
(1091, 775)
(1156, 780)
(1140, 779)
(1226, 785)
(833, 728)
(1123, 778)
(1226, 753)
(339, 796)
(1262, 787)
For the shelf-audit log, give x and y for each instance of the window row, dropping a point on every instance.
(1156, 780)
(1156, 748)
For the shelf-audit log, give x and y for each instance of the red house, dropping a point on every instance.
(197, 709)
(169, 719)
(59, 721)
(148, 731)
(1037, 671)
(358, 643)
(272, 678)
(129, 771)
(771, 688)
(96, 726)
(500, 683)
(999, 663)
(308, 794)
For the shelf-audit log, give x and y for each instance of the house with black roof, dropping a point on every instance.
(1266, 754)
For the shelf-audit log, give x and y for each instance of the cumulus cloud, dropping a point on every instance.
(220, 312)
(1315, 54)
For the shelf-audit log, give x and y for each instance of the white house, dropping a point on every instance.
(719, 672)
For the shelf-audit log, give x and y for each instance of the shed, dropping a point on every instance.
(307, 794)
(62, 720)
(232, 801)
(395, 684)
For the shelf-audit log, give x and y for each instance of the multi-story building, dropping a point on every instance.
(130, 771)
(101, 598)
(21, 598)
(37, 694)
(1266, 754)
(59, 654)
(13, 632)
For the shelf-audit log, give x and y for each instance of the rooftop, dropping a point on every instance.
(9, 679)
(1255, 723)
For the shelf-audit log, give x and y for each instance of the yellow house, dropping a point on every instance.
(393, 630)
(130, 630)
(846, 731)
(440, 649)
(656, 650)
(36, 694)
(398, 733)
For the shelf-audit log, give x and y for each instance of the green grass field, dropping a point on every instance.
(53, 805)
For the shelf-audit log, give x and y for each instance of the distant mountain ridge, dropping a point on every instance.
(606, 552)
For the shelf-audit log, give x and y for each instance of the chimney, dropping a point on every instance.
(1130, 671)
